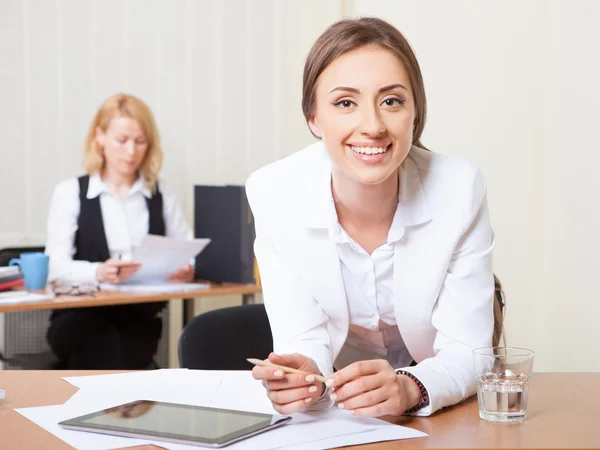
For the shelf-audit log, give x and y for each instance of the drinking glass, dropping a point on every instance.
(503, 375)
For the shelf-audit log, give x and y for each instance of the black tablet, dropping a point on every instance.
(171, 422)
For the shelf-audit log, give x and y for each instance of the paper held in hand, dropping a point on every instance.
(159, 256)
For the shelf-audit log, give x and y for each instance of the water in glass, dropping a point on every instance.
(502, 396)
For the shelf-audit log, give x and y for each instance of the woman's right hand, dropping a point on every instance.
(290, 392)
(116, 271)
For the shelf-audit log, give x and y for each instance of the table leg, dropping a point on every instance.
(248, 299)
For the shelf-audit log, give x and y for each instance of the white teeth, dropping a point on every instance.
(368, 150)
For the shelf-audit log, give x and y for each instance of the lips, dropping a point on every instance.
(371, 153)
(369, 150)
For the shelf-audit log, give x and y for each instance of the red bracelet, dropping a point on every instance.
(424, 400)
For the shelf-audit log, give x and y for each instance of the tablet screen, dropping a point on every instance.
(175, 421)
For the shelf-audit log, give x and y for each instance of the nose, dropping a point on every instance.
(130, 147)
(372, 125)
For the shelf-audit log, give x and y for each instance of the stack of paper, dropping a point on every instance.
(229, 390)
(10, 277)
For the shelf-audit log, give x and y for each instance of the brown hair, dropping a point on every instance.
(499, 307)
(350, 34)
(124, 105)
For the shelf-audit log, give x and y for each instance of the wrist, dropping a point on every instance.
(412, 383)
(413, 393)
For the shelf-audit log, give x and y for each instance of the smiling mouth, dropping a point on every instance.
(370, 150)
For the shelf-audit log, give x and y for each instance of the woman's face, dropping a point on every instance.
(124, 144)
(365, 113)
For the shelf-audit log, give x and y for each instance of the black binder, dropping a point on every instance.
(222, 214)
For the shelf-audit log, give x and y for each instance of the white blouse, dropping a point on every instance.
(125, 224)
(369, 285)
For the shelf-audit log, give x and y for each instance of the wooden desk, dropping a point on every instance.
(178, 317)
(104, 298)
(564, 412)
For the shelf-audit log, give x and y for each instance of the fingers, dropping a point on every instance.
(290, 381)
(378, 410)
(110, 275)
(288, 392)
(295, 360)
(357, 370)
(182, 275)
(356, 387)
(127, 272)
(276, 379)
(267, 373)
(365, 399)
(291, 408)
(121, 263)
(127, 264)
(284, 397)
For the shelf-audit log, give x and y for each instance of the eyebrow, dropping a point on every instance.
(389, 87)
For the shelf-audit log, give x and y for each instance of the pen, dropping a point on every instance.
(260, 362)
(119, 268)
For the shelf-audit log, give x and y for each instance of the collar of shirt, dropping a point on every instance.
(412, 204)
(97, 187)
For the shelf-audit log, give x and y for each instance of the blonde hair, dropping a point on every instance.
(124, 105)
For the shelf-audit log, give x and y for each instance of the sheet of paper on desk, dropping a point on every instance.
(316, 430)
(159, 256)
(12, 297)
(158, 288)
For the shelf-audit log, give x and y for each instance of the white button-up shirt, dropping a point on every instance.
(125, 224)
(369, 284)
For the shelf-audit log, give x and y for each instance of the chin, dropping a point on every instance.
(370, 177)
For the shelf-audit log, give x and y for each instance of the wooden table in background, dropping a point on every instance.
(564, 412)
(105, 298)
(178, 316)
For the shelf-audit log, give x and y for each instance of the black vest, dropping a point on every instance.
(90, 239)
(91, 245)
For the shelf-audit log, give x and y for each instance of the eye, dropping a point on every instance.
(345, 104)
(392, 102)
(122, 140)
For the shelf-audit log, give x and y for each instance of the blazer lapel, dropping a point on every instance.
(413, 273)
(321, 270)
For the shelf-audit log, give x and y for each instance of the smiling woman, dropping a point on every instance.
(375, 254)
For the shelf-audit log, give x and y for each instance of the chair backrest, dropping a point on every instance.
(6, 254)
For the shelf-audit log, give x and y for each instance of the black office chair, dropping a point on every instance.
(6, 254)
(222, 339)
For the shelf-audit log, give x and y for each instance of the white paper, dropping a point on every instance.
(234, 390)
(20, 297)
(159, 256)
(160, 288)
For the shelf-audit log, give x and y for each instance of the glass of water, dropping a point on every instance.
(503, 375)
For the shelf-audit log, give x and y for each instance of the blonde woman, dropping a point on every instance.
(94, 222)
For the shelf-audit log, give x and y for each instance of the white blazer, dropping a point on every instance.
(443, 280)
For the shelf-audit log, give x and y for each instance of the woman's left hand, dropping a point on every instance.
(183, 275)
(373, 389)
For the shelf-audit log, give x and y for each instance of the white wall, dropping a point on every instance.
(511, 86)
(223, 78)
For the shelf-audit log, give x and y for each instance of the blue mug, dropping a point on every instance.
(34, 267)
